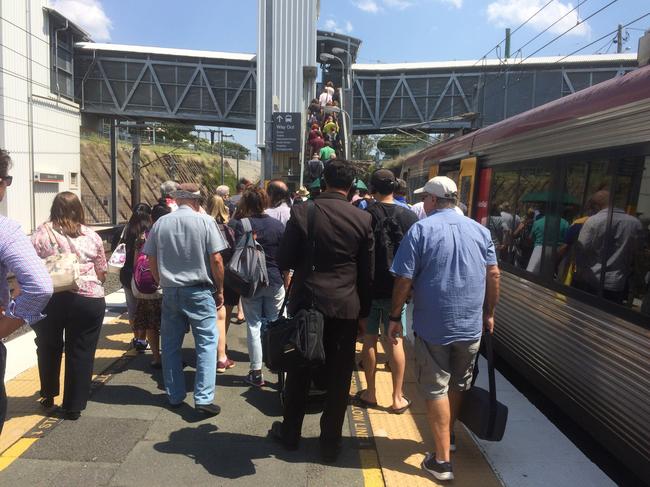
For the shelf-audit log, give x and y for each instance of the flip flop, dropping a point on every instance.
(237, 321)
(403, 409)
(362, 402)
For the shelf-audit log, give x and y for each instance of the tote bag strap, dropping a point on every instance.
(50, 231)
(489, 355)
(311, 246)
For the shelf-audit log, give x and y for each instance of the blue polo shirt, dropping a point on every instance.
(445, 255)
(183, 242)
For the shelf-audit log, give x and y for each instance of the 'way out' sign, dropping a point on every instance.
(286, 131)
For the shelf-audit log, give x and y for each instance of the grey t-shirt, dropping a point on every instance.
(183, 242)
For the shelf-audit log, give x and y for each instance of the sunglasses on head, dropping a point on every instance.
(7, 180)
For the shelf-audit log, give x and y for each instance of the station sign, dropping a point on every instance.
(44, 177)
(286, 131)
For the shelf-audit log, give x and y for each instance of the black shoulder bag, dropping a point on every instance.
(481, 412)
(289, 343)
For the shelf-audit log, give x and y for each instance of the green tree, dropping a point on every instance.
(391, 144)
(231, 149)
(177, 131)
(363, 146)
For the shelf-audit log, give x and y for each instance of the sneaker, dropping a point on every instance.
(140, 345)
(222, 366)
(441, 471)
(452, 442)
(255, 379)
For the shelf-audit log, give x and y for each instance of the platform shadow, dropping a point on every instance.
(204, 445)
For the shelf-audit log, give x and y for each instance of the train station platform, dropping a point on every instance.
(127, 435)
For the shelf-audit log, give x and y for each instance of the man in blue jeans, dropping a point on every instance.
(184, 254)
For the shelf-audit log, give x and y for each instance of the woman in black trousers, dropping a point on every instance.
(78, 313)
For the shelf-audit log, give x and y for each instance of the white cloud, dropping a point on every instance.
(333, 25)
(510, 13)
(398, 4)
(370, 6)
(87, 14)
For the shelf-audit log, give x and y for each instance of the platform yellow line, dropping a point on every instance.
(372, 476)
(15, 451)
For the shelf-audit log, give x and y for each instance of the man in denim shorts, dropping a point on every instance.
(449, 263)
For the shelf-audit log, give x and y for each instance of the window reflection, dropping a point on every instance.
(592, 234)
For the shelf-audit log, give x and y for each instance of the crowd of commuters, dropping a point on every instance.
(324, 138)
(372, 252)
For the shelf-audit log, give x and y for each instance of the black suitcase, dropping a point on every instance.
(481, 412)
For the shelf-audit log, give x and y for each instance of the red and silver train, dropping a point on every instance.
(574, 316)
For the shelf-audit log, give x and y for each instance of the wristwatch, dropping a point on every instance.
(394, 318)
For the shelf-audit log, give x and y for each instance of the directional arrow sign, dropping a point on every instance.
(286, 131)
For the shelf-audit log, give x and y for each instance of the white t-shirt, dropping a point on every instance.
(418, 209)
(324, 98)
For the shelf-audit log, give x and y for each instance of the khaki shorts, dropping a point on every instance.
(439, 368)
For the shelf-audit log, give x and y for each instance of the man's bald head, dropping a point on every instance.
(278, 192)
(599, 200)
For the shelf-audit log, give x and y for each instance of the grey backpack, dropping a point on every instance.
(246, 272)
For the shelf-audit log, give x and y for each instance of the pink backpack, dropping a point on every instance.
(142, 276)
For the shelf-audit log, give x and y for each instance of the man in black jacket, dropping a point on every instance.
(340, 284)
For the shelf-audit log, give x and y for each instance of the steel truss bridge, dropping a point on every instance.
(215, 88)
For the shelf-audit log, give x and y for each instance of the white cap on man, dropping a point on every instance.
(440, 187)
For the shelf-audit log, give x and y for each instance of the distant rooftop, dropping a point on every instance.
(166, 51)
(481, 63)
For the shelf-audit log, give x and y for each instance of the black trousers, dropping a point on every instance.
(339, 338)
(81, 318)
(3, 391)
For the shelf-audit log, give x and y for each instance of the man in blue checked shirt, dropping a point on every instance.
(17, 256)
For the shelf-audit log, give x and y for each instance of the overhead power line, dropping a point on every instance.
(580, 22)
(603, 37)
(516, 29)
(551, 26)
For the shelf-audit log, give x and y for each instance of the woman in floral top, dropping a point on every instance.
(78, 313)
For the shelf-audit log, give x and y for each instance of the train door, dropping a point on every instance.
(466, 184)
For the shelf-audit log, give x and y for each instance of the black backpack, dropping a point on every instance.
(388, 235)
(315, 169)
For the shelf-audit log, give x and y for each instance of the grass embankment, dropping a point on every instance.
(158, 162)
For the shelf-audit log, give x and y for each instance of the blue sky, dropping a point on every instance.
(391, 30)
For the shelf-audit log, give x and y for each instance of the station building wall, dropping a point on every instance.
(37, 127)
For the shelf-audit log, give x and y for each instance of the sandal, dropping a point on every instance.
(362, 402)
(237, 321)
(403, 409)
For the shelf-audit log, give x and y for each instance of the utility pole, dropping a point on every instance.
(507, 53)
(135, 164)
(114, 176)
(238, 154)
(619, 39)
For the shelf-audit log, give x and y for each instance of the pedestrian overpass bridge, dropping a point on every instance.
(219, 88)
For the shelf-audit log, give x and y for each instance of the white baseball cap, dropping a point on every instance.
(440, 187)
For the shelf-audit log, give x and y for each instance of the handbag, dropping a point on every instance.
(118, 257)
(246, 271)
(63, 267)
(481, 412)
(289, 343)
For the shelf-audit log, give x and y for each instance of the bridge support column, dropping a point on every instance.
(286, 64)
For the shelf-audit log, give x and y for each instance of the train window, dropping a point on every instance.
(534, 198)
(610, 251)
(502, 219)
(582, 180)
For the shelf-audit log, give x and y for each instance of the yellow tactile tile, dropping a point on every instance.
(402, 440)
(24, 411)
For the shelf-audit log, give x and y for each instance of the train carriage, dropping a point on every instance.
(565, 191)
